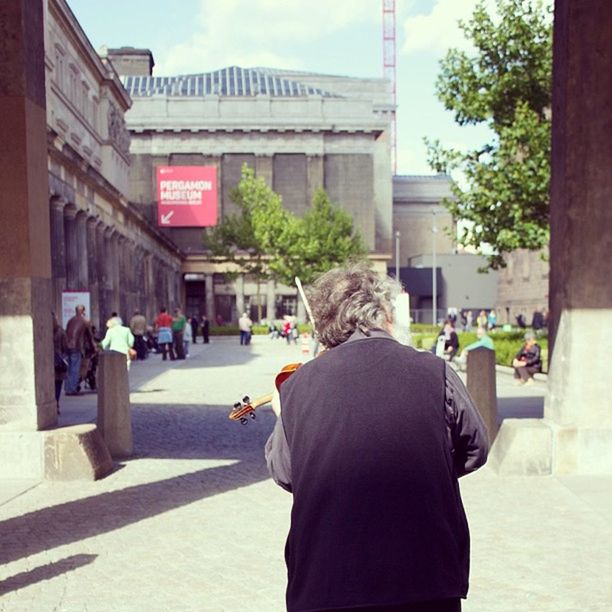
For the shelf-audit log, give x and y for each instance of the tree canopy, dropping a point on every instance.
(269, 241)
(501, 187)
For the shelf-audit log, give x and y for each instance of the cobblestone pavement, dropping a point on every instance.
(192, 521)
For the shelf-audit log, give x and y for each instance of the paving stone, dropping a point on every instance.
(193, 522)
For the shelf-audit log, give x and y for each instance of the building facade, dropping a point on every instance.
(523, 285)
(299, 131)
(100, 242)
(420, 217)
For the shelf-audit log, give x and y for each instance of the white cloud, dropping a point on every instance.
(438, 31)
(260, 32)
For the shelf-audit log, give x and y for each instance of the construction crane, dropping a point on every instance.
(390, 69)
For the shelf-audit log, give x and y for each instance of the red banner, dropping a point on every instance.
(186, 196)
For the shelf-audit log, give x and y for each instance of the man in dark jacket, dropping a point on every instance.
(78, 337)
(528, 360)
(371, 439)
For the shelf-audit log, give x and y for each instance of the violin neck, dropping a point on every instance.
(261, 401)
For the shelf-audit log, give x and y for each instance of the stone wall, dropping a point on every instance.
(522, 285)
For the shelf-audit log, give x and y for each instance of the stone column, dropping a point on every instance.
(264, 168)
(101, 273)
(113, 270)
(210, 298)
(151, 304)
(92, 271)
(482, 385)
(314, 174)
(579, 402)
(58, 253)
(27, 400)
(239, 288)
(575, 436)
(271, 300)
(82, 257)
(72, 248)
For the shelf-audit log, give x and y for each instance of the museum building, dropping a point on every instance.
(299, 131)
(101, 244)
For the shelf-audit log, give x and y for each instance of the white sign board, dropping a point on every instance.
(402, 318)
(70, 300)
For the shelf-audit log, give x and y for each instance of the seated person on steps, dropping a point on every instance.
(528, 360)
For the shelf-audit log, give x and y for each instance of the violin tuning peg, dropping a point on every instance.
(246, 399)
(237, 405)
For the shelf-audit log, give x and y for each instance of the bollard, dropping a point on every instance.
(114, 419)
(482, 387)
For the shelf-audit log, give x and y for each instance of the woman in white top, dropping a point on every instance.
(118, 338)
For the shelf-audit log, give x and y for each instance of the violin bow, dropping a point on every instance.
(298, 284)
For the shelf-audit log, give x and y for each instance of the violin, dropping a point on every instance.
(246, 408)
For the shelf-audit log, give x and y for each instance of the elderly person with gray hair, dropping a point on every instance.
(527, 361)
(371, 438)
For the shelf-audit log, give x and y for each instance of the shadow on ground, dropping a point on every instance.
(45, 572)
(183, 432)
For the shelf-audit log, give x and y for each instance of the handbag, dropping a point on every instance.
(60, 363)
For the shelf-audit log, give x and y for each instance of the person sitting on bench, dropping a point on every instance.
(527, 361)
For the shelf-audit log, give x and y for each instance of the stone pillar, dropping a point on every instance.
(575, 436)
(92, 271)
(314, 174)
(101, 273)
(27, 400)
(264, 168)
(72, 248)
(82, 257)
(113, 270)
(239, 288)
(58, 253)
(114, 419)
(482, 386)
(210, 299)
(271, 300)
(579, 402)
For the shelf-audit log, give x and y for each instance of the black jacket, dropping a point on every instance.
(377, 517)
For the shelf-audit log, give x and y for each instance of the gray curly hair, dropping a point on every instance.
(344, 300)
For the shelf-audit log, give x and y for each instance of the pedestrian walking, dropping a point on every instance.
(245, 325)
(138, 327)
(60, 352)
(205, 329)
(163, 326)
(371, 438)
(178, 331)
(78, 335)
(187, 338)
(193, 322)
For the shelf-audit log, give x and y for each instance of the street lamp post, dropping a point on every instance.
(434, 276)
(397, 254)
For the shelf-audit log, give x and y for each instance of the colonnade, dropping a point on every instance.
(120, 274)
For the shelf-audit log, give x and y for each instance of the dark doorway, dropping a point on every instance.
(195, 298)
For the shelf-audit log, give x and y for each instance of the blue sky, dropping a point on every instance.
(340, 37)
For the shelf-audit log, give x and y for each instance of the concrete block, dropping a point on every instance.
(523, 447)
(21, 455)
(482, 386)
(76, 452)
(114, 419)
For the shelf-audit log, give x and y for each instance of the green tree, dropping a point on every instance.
(308, 246)
(266, 240)
(235, 239)
(505, 85)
